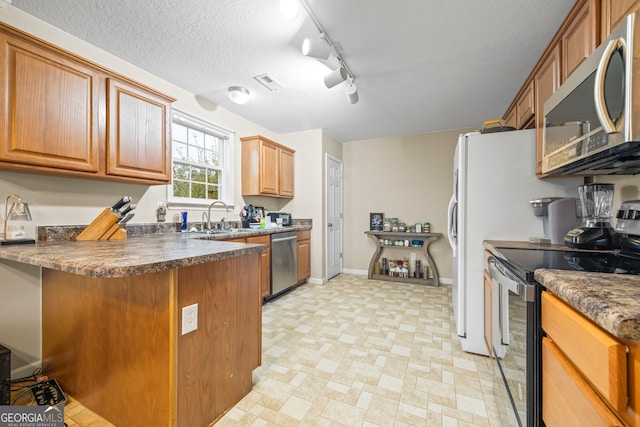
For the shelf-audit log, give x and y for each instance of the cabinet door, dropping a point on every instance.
(49, 108)
(269, 164)
(265, 263)
(604, 365)
(567, 399)
(525, 107)
(614, 11)
(509, 118)
(580, 38)
(138, 133)
(286, 173)
(304, 260)
(546, 81)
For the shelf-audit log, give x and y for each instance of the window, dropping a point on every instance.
(202, 162)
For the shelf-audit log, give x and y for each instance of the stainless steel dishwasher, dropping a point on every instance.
(284, 262)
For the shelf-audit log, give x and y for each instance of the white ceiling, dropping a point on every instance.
(420, 65)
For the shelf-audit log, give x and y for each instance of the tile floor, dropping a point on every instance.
(358, 352)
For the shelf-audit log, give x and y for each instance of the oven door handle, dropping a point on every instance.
(510, 280)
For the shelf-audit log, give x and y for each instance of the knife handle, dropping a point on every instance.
(99, 226)
(127, 209)
(120, 203)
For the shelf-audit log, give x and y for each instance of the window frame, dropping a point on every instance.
(227, 137)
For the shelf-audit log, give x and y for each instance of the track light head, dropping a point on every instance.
(316, 48)
(335, 77)
(352, 92)
(239, 94)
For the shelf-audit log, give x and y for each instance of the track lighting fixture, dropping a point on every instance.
(335, 77)
(322, 49)
(316, 49)
(352, 92)
(239, 94)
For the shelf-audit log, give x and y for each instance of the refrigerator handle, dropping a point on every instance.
(452, 219)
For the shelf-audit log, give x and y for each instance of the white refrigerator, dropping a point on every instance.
(494, 179)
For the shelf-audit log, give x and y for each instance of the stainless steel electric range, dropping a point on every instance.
(516, 332)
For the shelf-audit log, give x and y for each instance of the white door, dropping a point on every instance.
(333, 199)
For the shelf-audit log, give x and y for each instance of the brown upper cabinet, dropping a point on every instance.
(138, 138)
(577, 38)
(49, 108)
(525, 107)
(580, 38)
(546, 82)
(267, 168)
(614, 11)
(64, 115)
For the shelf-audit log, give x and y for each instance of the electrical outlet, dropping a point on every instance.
(189, 318)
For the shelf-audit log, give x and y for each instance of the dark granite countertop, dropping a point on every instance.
(138, 254)
(612, 301)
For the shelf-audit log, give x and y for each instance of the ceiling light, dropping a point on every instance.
(316, 49)
(352, 92)
(335, 77)
(239, 94)
(289, 8)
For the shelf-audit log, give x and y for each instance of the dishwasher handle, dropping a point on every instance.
(282, 239)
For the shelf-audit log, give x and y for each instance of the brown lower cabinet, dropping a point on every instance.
(115, 344)
(304, 255)
(589, 377)
(265, 263)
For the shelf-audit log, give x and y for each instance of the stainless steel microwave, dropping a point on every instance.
(592, 122)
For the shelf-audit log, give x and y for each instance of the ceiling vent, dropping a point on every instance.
(269, 82)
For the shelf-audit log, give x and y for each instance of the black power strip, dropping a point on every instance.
(48, 393)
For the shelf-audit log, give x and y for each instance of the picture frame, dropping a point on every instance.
(376, 220)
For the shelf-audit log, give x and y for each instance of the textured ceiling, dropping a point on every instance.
(420, 65)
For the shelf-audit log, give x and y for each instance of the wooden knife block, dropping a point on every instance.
(104, 227)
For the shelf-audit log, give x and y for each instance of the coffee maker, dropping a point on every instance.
(559, 215)
(596, 231)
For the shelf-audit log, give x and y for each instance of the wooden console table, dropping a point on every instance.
(426, 238)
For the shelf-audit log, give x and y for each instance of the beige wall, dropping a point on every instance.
(408, 177)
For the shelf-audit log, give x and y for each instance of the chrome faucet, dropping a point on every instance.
(209, 211)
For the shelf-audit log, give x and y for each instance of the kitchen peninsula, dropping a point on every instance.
(111, 324)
